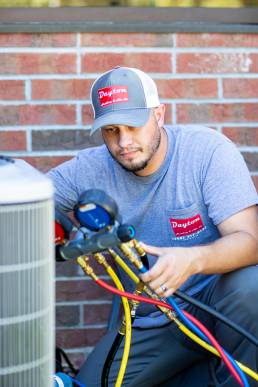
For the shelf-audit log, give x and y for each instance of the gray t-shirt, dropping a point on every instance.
(202, 182)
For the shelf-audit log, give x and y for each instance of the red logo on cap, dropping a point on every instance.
(186, 226)
(113, 94)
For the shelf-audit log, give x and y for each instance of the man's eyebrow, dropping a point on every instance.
(109, 126)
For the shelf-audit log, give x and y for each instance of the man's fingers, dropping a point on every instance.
(153, 250)
(157, 269)
(161, 280)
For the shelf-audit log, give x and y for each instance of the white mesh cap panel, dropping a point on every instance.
(150, 89)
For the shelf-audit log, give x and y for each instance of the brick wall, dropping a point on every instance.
(44, 110)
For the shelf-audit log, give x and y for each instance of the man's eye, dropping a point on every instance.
(110, 130)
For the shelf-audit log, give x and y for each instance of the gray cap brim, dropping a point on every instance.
(129, 117)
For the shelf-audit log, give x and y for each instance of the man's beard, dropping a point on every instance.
(150, 150)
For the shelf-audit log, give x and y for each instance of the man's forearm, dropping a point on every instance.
(227, 253)
(175, 265)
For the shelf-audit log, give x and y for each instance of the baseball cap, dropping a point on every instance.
(123, 96)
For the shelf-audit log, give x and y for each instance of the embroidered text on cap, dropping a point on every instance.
(113, 94)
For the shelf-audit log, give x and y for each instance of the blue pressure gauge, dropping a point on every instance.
(95, 210)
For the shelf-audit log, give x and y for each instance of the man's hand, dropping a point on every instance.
(173, 267)
(237, 247)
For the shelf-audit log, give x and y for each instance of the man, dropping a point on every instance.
(188, 193)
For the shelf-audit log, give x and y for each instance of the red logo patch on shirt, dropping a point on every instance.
(112, 94)
(182, 227)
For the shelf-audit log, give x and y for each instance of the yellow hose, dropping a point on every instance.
(83, 262)
(202, 343)
(128, 328)
(181, 326)
(124, 266)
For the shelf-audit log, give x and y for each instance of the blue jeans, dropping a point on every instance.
(165, 357)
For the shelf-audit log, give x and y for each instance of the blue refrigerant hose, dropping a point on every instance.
(195, 329)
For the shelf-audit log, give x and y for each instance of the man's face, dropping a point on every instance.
(133, 147)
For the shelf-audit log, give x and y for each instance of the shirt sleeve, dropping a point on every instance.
(63, 178)
(227, 185)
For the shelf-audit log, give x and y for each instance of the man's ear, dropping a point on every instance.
(159, 113)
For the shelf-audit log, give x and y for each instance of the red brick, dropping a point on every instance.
(67, 315)
(96, 314)
(13, 141)
(80, 290)
(61, 89)
(87, 114)
(78, 338)
(37, 115)
(251, 159)
(168, 114)
(38, 40)
(240, 88)
(255, 180)
(11, 90)
(216, 40)
(67, 269)
(242, 135)
(187, 88)
(43, 164)
(48, 114)
(211, 113)
(217, 63)
(9, 115)
(149, 62)
(64, 139)
(127, 40)
(31, 63)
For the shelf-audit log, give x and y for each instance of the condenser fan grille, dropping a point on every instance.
(27, 294)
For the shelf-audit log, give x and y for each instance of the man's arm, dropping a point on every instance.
(237, 247)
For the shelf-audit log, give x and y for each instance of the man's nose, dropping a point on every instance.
(125, 139)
